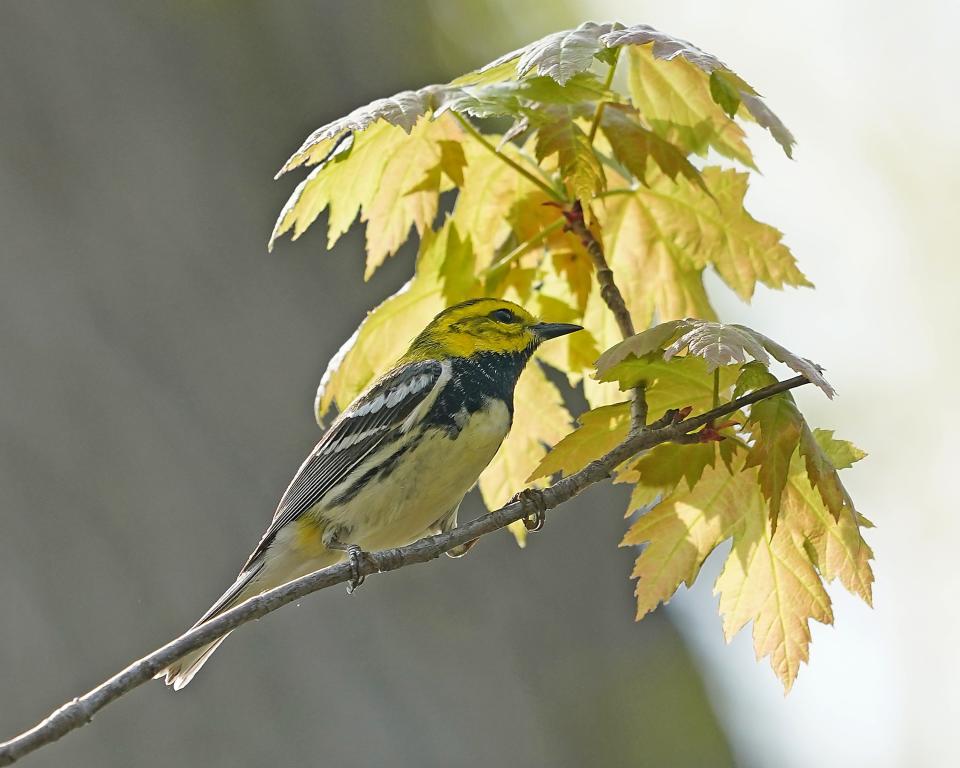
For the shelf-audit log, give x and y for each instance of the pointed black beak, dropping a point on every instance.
(551, 330)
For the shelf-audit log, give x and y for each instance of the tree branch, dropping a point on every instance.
(612, 297)
(81, 710)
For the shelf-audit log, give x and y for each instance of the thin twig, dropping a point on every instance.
(611, 296)
(526, 246)
(469, 128)
(81, 710)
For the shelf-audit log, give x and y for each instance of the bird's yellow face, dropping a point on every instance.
(483, 325)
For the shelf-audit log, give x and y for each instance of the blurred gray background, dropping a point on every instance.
(157, 371)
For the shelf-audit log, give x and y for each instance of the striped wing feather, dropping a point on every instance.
(372, 419)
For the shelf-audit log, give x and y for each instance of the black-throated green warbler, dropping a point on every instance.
(396, 463)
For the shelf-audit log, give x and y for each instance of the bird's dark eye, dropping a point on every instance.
(503, 316)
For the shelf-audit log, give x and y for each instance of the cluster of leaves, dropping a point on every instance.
(771, 485)
(659, 164)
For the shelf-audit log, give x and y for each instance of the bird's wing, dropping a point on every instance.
(373, 419)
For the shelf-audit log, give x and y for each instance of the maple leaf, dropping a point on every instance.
(403, 110)
(769, 579)
(686, 527)
(522, 98)
(775, 425)
(578, 164)
(377, 178)
(655, 273)
(677, 383)
(659, 238)
(450, 165)
(490, 190)
(599, 431)
(835, 543)
(675, 101)
(657, 473)
(823, 456)
(559, 55)
(719, 344)
(533, 429)
(774, 579)
(635, 146)
(695, 91)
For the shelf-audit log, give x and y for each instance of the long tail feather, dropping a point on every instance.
(181, 672)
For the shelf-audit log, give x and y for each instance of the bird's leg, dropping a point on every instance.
(331, 540)
(533, 504)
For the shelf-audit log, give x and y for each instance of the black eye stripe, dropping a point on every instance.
(503, 316)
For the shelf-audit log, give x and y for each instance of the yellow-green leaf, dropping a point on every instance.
(491, 188)
(674, 98)
(683, 530)
(381, 176)
(775, 425)
(579, 167)
(658, 472)
(601, 430)
(635, 146)
(822, 471)
(659, 238)
(770, 580)
(680, 382)
(837, 546)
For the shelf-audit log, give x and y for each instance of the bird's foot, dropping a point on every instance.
(355, 556)
(534, 505)
(461, 549)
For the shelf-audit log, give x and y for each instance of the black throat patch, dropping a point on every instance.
(474, 381)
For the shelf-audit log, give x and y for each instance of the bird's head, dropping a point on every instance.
(483, 326)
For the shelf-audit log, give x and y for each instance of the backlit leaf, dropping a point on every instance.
(693, 76)
(579, 167)
(775, 425)
(522, 98)
(599, 431)
(838, 549)
(681, 382)
(658, 472)
(491, 189)
(674, 98)
(769, 579)
(634, 146)
(403, 110)
(683, 530)
(380, 177)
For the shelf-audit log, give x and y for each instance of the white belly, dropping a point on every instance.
(429, 481)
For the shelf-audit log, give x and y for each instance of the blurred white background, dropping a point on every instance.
(870, 208)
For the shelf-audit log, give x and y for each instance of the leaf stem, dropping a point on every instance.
(471, 129)
(525, 247)
(716, 387)
(598, 112)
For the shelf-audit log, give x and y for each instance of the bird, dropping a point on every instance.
(395, 464)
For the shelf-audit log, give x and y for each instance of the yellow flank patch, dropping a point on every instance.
(309, 537)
